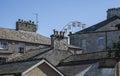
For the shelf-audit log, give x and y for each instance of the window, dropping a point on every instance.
(118, 26)
(2, 60)
(101, 41)
(3, 45)
(21, 47)
(21, 50)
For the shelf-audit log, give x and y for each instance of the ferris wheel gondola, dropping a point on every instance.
(73, 26)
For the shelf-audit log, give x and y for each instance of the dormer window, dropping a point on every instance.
(118, 26)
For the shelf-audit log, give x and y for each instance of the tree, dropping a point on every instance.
(114, 52)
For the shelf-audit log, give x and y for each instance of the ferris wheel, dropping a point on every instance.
(73, 27)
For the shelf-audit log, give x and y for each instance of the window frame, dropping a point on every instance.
(101, 41)
(3, 45)
(3, 60)
(21, 48)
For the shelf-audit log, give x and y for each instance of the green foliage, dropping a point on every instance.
(114, 52)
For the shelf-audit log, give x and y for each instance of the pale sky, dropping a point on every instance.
(54, 14)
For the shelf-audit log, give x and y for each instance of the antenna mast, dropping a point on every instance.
(36, 15)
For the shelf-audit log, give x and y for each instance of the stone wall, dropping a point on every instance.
(113, 12)
(92, 43)
(12, 50)
(61, 44)
(26, 25)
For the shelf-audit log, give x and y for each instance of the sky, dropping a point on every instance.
(54, 14)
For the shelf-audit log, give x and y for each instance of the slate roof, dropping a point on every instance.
(23, 36)
(76, 64)
(73, 68)
(73, 47)
(17, 67)
(89, 56)
(31, 54)
(98, 25)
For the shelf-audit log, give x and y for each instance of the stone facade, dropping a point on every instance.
(98, 40)
(95, 42)
(16, 48)
(61, 50)
(109, 37)
(14, 43)
(26, 26)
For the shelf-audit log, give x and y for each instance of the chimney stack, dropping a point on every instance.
(58, 40)
(26, 25)
(113, 12)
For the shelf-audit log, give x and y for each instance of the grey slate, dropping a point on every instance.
(31, 54)
(23, 36)
(98, 25)
(17, 67)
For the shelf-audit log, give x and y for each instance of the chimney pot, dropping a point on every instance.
(30, 21)
(24, 21)
(61, 33)
(54, 31)
(19, 20)
(33, 22)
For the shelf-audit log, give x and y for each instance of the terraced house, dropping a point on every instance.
(95, 42)
(100, 36)
(36, 67)
(16, 42)
(24, 46)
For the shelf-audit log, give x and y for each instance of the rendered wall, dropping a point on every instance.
(42, 70)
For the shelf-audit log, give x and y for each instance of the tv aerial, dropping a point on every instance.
(73, 27)
(36, 16)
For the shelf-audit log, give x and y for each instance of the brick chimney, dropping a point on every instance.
(58, 40)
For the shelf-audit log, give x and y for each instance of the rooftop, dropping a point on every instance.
(12, 67)
(23, 36)
(98, 25)
(31, 54)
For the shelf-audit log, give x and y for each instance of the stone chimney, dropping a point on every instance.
(58, 40)
(113, 12)
(26, 25)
